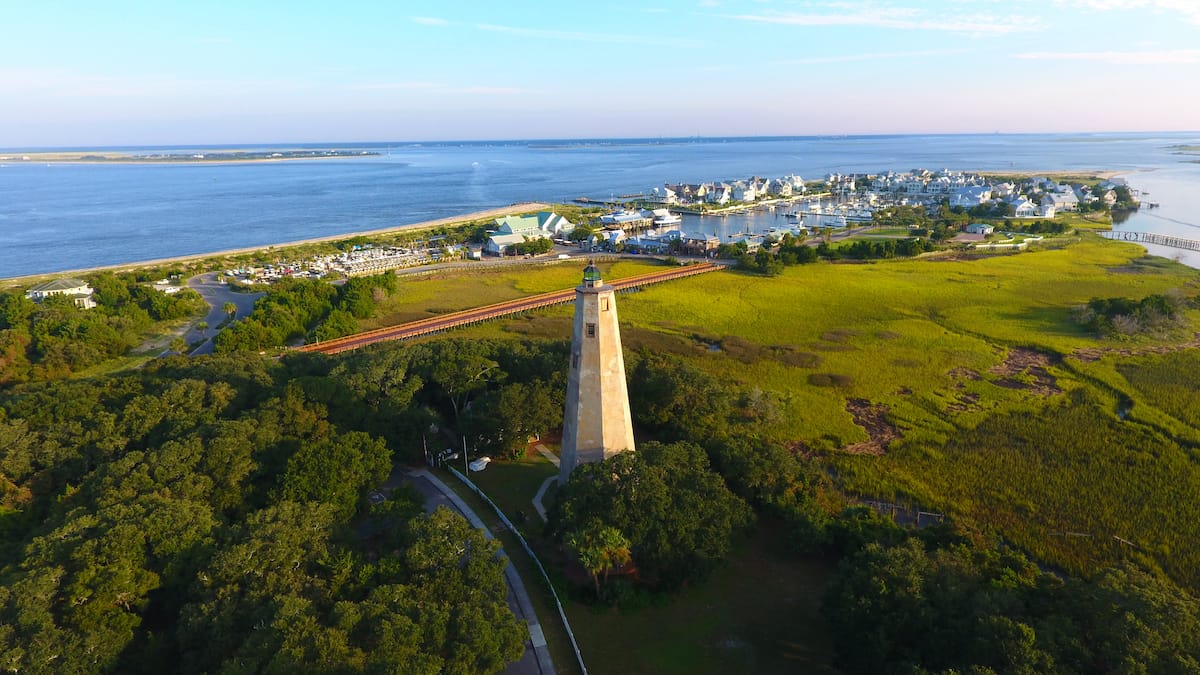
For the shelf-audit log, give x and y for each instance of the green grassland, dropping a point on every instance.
(1020, 449)
(422, 296)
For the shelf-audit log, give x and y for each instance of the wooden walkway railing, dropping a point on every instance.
(443, 322)
(1153, 238)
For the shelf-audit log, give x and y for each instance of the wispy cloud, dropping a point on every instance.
(868, 56)
(436, 88)
(390, 86)
(499, 91)
(429, 21)
(581, 36)
(1188, 8)
(900, 18)
(1157, 57)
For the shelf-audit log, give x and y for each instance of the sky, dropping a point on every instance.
(81, 73)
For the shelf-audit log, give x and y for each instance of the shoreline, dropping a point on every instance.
(520, 207)
(171, 162)
(218, 157)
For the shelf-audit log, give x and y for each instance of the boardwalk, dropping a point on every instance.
(1152, 238)
(443, 322)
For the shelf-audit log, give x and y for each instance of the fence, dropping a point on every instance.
(533, 556)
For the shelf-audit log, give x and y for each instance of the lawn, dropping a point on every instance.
(758, 614)
(733, 622)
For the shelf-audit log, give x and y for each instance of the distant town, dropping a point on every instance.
(650, 223)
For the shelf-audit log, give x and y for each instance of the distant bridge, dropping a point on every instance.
(1153, 238)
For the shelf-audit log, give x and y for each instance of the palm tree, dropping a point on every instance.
(230, 310)
(203, 328)
(600, 548)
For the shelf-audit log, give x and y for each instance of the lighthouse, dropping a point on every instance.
(596, 422)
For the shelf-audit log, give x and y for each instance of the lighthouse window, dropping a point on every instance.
(603, 304)
(591, 330)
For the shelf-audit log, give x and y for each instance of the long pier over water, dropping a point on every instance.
(443, 322)
(1153, 238)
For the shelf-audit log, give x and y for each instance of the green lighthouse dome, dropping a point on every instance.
(591, 275)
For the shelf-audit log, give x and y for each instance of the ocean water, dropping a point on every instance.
(57, 217)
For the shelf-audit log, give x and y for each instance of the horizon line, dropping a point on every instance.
(577, 139)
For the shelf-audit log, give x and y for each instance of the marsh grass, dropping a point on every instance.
(931, 342)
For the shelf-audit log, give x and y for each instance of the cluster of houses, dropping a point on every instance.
(719, 193)
(1036, 197)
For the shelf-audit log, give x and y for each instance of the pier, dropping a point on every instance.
(1153, 238)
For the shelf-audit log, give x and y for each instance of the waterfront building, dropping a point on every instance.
(511, 230)
(77, 289)
(597, 423)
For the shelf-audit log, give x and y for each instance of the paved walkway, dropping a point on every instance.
(541, 493)
(536, 659)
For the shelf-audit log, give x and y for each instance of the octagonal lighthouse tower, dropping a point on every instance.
(596, 423)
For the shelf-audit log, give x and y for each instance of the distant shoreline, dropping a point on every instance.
(214, 157)
(521, 207)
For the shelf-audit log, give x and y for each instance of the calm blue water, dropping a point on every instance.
(69, 216)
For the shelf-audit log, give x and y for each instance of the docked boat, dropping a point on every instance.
(664, 218)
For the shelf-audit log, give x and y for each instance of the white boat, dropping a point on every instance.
(664, 218)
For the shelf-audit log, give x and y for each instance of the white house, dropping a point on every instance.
(781, 187)
(980, 228)
(498, 243)
(720, 193)
(664, 195)
(1004, 190)
(1023, 208)
(1061, 201)
(968, 197)
(744, 192)
(81, 291)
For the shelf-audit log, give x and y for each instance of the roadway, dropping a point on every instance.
(535, 660)
(216, 295)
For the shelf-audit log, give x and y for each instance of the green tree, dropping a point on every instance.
(338, 471)
(677, 514)
(600, 548)
(459, 370)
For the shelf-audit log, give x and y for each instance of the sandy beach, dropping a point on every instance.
(523, 207)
